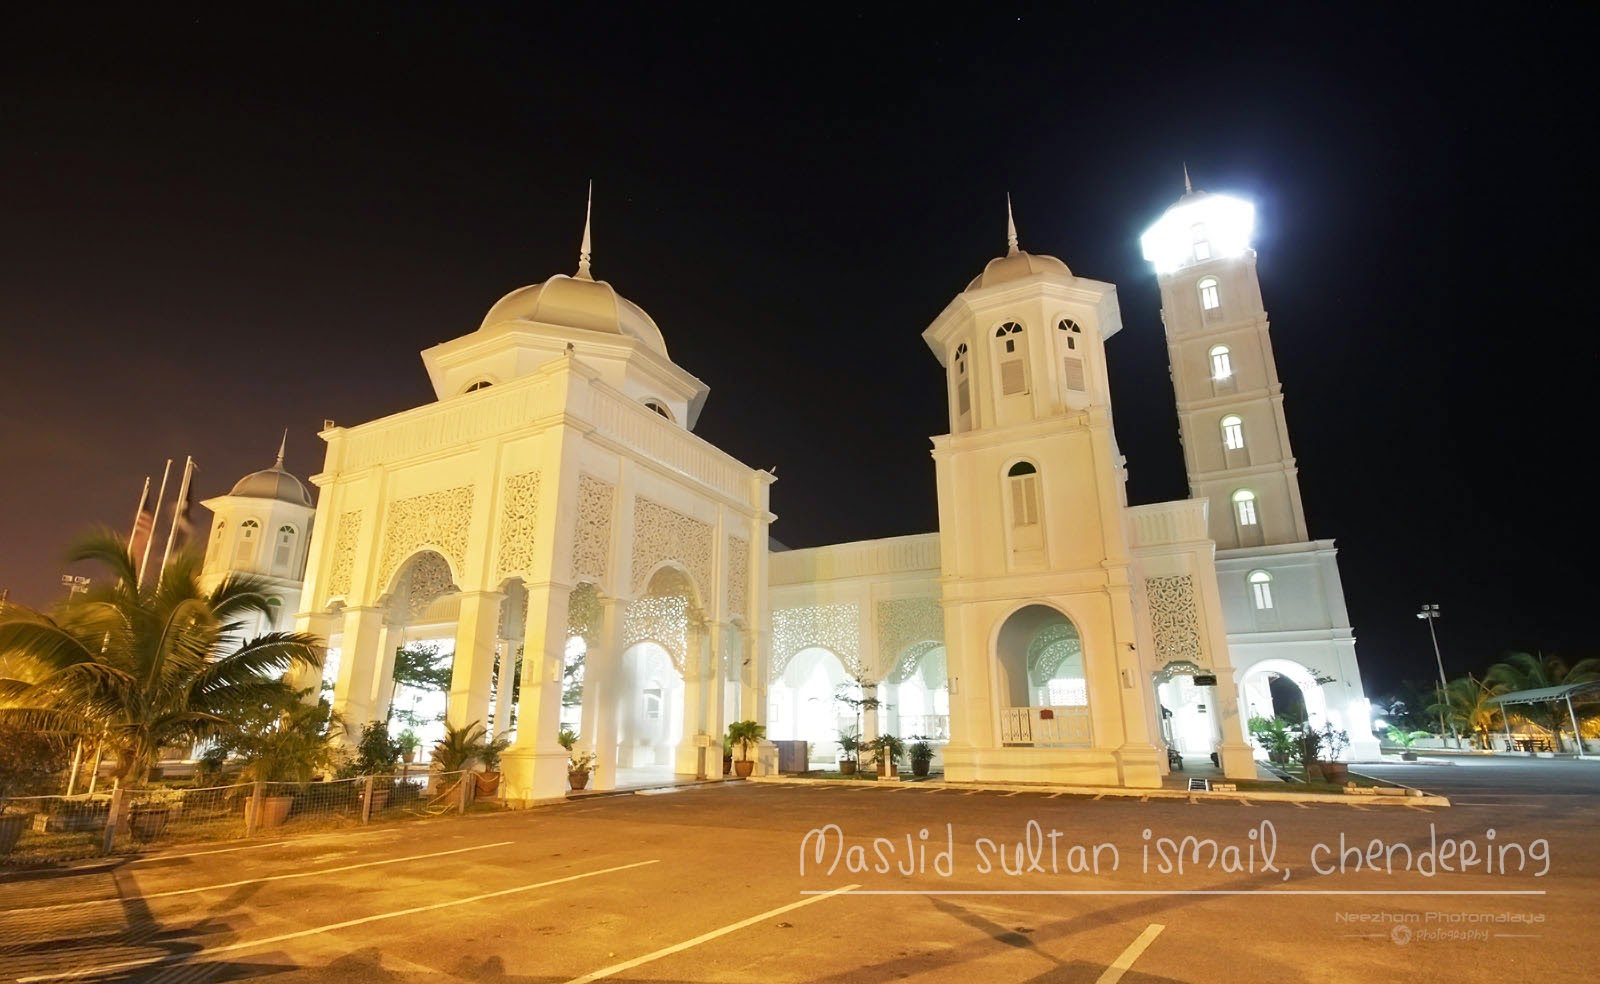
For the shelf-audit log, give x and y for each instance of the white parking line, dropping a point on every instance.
(264, 878)
(605, 972)
(197, 854)
(1125, 960)
(251, 944)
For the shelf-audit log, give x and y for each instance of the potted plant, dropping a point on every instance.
(888, 749)
(745, 736)
(11, 827)
(921, 750)
(489, 779)
(1333, 743)
(579, 766)
(727, 756)
(849, 744)
(280, 746)
(148, 821)
(1406, 741)
(1309, 741)
(408, 743)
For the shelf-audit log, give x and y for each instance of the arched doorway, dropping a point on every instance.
(1282, 688)
(1042, 689)
(801, 703)
(918, 693)
(422, 614)
(1190, 720)
(651, 697)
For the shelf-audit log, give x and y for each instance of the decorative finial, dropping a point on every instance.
(583, 251)
(282, 446)
(1011, 229)
(1188, 189)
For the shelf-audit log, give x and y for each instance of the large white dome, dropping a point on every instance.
(576, 302)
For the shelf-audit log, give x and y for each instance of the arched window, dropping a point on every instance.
(963, 385)
(475, 387)
(1071, 365)
(1024, 480)
(1013, 356)
(1071, 330)
(1244, 506)
(1232, 432)
(1202, 242)
(659, 408)
(1221, 362)
(1261, 589)
(1210, 296)
(285, 548)
(245, 553)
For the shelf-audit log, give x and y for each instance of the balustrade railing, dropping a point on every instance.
(1045, 726)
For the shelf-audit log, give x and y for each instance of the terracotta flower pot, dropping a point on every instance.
(847, 767)
(11, 828)
(1336, 772)
(578, 780)
(146, 823)
(743, 768)
(488, 784)
(274, 810)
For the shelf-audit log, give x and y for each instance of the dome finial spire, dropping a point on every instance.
(283, 445)
(584, 251)
(1011, 229)
(1188, 189)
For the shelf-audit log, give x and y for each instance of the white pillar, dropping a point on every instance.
(535, 768)
(603, 695)
(471, 669)
(323, 625)
(1233, 752)
(383, 670)
(689, 755)
(506, 649)
(352, 694)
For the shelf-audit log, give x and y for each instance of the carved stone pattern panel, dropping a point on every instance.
(519, 511)
(913, 658)
(836, 628)
(738, 577)
(591, 543)
(661, 619)
(583, 615)
(1174, 618)
(1049, 648)
(425, 581)
(344, 553)
(661, 534)
(904, 622)
(438, 520)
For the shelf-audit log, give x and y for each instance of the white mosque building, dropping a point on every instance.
(555, 501)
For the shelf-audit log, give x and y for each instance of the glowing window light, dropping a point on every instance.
(1232, 433)
(1261, 589)
(1210, 295)
(1244, 501)
(1221, 362)
(1174, 241)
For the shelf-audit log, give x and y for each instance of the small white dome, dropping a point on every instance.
(1015, 266)
(272, 483)
(577, 302)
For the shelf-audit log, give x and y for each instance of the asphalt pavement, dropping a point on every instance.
(898, 883)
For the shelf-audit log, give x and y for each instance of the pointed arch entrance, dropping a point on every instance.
(1041, 686)
(801, 704)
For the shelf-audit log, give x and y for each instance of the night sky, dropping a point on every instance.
(214, 229)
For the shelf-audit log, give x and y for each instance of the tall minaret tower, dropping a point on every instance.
(1230, 403)
(1282, 597)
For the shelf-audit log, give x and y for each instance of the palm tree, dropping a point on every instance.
(1533, 671)
(144, 667)
(1465, 703)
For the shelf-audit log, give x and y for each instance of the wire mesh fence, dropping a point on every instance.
(38, 829)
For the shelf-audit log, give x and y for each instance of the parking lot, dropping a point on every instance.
(706, 884)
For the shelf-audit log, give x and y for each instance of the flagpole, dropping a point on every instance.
(177, 510)
(155, 517)
(138, 514)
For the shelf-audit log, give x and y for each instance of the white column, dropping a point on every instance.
(383, 670)
(694, 684)
(1233, 752)
(471, 670)
(506, 649)
(535, 768)
(723, 636)
(352, 694)
(603, 695)
(323, 625)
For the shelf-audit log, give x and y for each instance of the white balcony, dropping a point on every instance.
(1045, 727)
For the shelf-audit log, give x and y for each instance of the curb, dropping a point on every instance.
(1413, 797)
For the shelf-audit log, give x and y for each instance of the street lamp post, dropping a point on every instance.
(75, 584)
(1429, 613)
